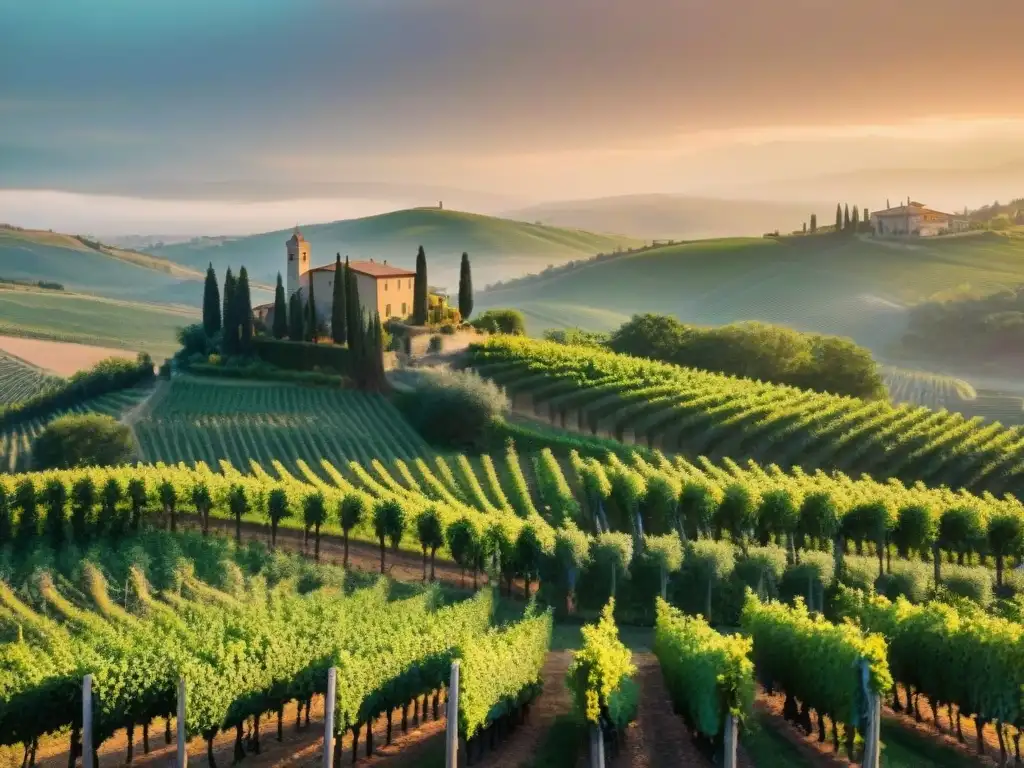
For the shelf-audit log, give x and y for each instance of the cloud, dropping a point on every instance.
(535, 98)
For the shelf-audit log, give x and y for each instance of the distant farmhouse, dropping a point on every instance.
(382, 288)
(916, 219)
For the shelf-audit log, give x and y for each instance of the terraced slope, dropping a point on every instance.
(20, 381)
(700, 413)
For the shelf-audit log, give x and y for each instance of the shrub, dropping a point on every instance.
(82, 441)
(436, 343)
(974, 583)
(194, 341)
(508, 321)
(453, 408)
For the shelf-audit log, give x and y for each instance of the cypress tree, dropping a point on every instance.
(839, 218)
(419, 295)
(375, 363)
(846, 219)
(243, 311)
(280, 311)
(230, 326)
(867, 220)
(295, 317)
(465, 288)
(814, 223)
(353, 311)
(339, 320)
(211, 303)
(856, 219)
(311, 314)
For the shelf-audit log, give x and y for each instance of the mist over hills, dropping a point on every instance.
(661, 216)
(499, 248)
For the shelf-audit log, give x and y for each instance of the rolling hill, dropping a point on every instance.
(499, 248)
(84, 265)
(852, 287)
(96, 320)
(674, 217)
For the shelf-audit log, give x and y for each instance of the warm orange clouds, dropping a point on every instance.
(523, 100)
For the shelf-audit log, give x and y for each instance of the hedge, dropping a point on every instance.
(301, 355)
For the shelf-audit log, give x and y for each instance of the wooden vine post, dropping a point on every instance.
(329, 702)
(451, 737)
(872, 720)
(596, 746)
(730, 740)
(87, 734)
(181, 761)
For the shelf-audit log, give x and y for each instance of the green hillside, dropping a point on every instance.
(499, 248)
(106, 322)
(852, 287)
(83, 265)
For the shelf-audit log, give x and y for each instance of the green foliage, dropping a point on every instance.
(211, 303)
(500, 670)
(465, 288)
(280, 329)
(302, 356)
(966, 658)
(755, 351)
(420, 289)
(505, 321)
(598, 671)
(709, 675)
(339, 309)
(82, 441)
(814, 661)
(243, 312)
(453, 408)
(554, 490)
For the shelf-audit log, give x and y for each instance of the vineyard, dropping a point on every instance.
(249, 633)
(16, 441)
(198, 421)
(181, 605)
(926, 389)
(699, 413)
(19, 381)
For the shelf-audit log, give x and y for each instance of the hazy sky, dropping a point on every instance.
(350, 104)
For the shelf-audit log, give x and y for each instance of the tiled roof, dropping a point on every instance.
(370, 268)
(905, 210)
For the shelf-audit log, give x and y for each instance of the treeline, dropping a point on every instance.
(976, 328)
(45, 284)
(106, 376)
(751, 350)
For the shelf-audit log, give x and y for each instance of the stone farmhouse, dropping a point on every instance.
(382, 288)
(915, 219)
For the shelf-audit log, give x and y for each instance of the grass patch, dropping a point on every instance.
(905, 748)
(562, 745)
(770, 749)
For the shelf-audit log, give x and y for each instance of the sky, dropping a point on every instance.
(245, 115)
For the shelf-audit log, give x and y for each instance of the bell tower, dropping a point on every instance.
(298, 261)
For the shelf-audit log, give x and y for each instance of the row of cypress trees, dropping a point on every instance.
(232, 318)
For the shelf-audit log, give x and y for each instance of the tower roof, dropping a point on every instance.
(297, 236)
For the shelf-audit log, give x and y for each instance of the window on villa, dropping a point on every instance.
(387, 310)
(385, 285)
(404, 310)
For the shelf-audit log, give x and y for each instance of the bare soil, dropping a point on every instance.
(658, 738)
(819, 754)
(62, 358)
(944, 730)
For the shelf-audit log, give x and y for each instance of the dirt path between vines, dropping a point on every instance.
(658, 738)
